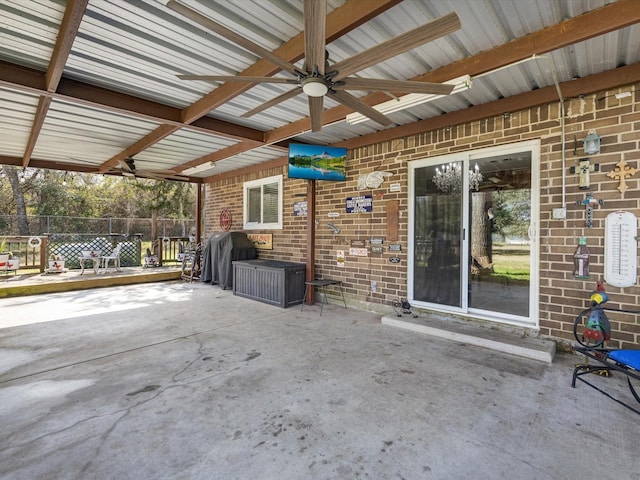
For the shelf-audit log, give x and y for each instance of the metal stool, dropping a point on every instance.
(322, 284)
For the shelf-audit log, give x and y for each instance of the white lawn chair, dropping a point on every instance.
(115, 257)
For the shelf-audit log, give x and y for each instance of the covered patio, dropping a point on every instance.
(179, 380)
(20, 284)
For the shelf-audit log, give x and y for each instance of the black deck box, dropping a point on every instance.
(270, 281)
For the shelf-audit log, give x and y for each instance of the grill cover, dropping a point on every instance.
(221, 250)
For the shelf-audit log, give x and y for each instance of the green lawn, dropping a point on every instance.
(511, 262)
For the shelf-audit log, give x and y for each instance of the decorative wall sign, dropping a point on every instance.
(333, 214)
(372, 179)
(377, 241)
(226, 219)
(394, 259)
(393, 216)
(357, 243)
(395, 247)
(376, 250)
(262, 241)
(358, 252)
(394, 187)
(361, 204)
(340, 258)
(300, 209)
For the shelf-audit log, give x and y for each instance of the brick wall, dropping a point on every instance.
(562, 296)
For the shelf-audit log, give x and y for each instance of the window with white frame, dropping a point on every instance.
(263, 203)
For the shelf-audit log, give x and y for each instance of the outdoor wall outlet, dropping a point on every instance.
(559, 213)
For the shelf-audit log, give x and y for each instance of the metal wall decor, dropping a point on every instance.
(226, 220)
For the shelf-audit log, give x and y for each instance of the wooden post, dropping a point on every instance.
(311, 240)
(43, 253)
(199, 213)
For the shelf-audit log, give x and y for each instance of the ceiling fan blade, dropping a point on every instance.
(231, 78)
(156, 176)
(400, 44)
(272, 102)
(315, 20)
(352, 102)
(400, 86)
(230, 35)
(315, 113)
(125, 167)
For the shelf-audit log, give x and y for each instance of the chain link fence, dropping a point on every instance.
(140, 227)
(70, 247)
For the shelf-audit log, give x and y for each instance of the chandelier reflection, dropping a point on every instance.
(449, 178)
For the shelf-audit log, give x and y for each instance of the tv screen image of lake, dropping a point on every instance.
(315, 162)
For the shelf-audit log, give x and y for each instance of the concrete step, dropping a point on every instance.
(491, 338)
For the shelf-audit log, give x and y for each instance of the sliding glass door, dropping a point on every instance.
(472, 225)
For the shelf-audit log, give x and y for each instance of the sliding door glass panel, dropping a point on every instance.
(500, 253)
(437, 234)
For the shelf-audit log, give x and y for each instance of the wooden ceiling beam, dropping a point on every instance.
(36, 127)
(258, 167)
(340, 21)
(69, 167)
(221, 154)
(603, 20)
(587, 85)
(24, 79)
(572, 89)
(145, 142)
(73, 15)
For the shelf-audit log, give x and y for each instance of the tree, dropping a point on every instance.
(513, 213)
(165, 197)
(19, 204)
(481, 227)
(70, 199)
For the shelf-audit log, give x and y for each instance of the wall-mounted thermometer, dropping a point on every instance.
(621, 249)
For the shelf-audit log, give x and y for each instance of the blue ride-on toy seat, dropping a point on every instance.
(591, 335)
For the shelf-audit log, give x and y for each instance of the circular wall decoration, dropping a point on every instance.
(34, 242)
(225, 220)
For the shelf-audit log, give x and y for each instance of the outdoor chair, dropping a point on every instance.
(115, 257)
(590, 329)
(4, 263)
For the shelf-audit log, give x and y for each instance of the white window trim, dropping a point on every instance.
(245, 208)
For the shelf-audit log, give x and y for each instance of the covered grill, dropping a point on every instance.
(220, 251)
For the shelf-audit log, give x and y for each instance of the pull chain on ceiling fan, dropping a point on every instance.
(317, 78)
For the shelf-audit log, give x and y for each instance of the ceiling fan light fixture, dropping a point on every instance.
(411, 100)
(314, 87)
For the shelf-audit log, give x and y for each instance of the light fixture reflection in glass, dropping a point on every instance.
(449, 178)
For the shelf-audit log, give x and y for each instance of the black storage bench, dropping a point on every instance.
(270, 281)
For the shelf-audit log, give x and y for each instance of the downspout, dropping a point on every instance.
(554, 77)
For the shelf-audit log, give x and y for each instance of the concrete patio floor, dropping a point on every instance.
(186, 381)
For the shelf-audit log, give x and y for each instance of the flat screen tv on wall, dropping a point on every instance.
(317, 162)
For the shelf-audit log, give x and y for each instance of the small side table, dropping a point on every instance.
(94, 260)
(322, 284)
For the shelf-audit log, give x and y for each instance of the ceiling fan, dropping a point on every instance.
(128, 168)
(317, 78)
